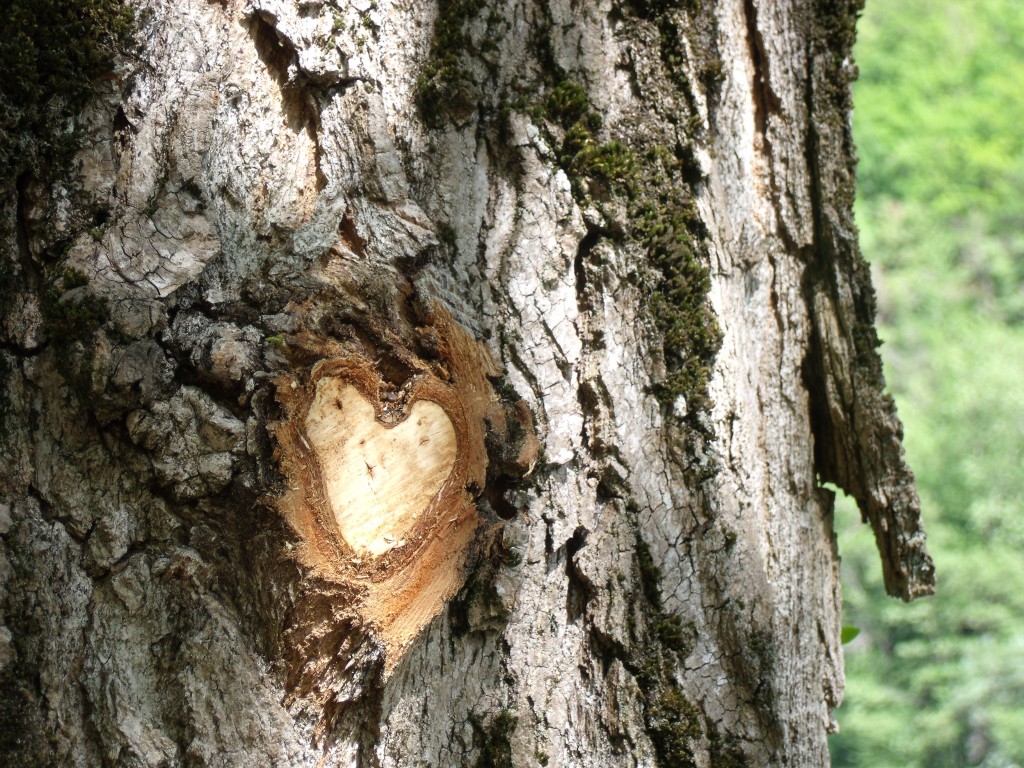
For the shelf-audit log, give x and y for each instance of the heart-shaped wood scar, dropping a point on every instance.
(379, 480)
(383, 477)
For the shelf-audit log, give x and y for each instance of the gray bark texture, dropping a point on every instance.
(442, 384)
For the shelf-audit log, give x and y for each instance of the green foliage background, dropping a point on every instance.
(939, 123)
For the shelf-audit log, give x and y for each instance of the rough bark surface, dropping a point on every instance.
(527, 225)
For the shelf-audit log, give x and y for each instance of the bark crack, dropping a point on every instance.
(766, 101)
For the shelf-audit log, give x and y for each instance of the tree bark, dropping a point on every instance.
(393, 384)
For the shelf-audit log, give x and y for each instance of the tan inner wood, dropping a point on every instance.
(378, 479)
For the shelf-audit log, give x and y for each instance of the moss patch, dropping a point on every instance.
(51, 53)
(662, 219)
(676, 725)
(585, 159)
(653, 180)
(494, 740)
(675, 22)
(724, 752)
(650, 576)
(673, 722)
(73, 318)
(448, 86)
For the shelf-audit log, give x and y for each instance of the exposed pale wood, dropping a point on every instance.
(379, 479)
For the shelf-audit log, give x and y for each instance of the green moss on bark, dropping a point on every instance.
(673, 722)
(724, 752)
(676, 725)
(494, 740)
(71, 318)
(653, 180)
(72, 315)
(663, 220)
(686, 27)
(448, 85)
(52, 53)
(595, 168)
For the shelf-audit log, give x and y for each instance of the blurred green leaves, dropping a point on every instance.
(939, 111)
(939, 123)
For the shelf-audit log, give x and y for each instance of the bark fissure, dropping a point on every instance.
(766, 102)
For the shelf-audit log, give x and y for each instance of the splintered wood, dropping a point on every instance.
(386, 455)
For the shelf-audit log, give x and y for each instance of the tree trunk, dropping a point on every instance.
(391, 384)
